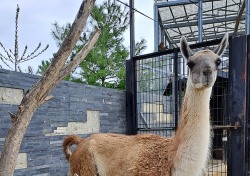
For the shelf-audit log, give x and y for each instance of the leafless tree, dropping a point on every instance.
(13, 57)
(39, 93)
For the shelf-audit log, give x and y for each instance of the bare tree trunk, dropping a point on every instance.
(36, 96)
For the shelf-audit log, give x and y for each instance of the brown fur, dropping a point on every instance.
(68, 142)
(151, 155)
(141, 154)
(78, 165)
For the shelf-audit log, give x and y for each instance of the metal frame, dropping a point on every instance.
(240, 144)
(176, 99)
(199, 35)
(248, 108)
(238, 98)
(231, 20)
(238, 18)
(195, 23)
(237, 108)
(156, 28)
(130, 84)
(179, 2)
(200, 21)
(247, 2)
(132, 27)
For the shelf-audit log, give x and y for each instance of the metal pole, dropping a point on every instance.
(156, 28)
(247, 102)
(200, 21)
(162, 35)
(176, 86)
(130, 78)
(237, 104)
(247, 17)
(132, 28)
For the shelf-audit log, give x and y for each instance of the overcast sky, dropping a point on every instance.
(36, 18)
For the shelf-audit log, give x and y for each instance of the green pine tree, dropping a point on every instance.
(105, 64)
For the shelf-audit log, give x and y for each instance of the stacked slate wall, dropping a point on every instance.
(74, 109)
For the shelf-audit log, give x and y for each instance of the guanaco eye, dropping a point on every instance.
(190, 64)
(218, 62)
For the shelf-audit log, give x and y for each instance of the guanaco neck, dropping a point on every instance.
(192, 139)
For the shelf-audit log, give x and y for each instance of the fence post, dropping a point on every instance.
(130, 97)
(176, 89)
(130, 78)
(237, 104)
(248, 107)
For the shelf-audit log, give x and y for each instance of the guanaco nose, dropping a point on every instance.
(207, 71)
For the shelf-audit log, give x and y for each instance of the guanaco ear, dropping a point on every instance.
(185, 49)
(223, 45)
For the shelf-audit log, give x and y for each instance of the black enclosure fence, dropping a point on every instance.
(155, 87)
(247, 136)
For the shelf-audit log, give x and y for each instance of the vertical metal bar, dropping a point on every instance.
(134, 70)
(130, 128)
(176, 98)
(156, 28)
(130, 80)
(200, 21)
(162, 36)
(247, 17)
(135, 101)
(237, 105)
(248, 108)
(132, 28)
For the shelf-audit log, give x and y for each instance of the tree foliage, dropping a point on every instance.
(106, 61)
(105, 64)
(14, 58)
(43, 67)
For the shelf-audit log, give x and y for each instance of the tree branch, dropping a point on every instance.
(31, 56)
(47, 99)
(35, 50)
(9, 56)
(36, 96)
(24, 52)
(11, 52)
(70, 66)
(12, 117)
(3, 60)
(4, 57)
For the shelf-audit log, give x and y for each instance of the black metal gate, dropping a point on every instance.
(155, 87)
(247, 121)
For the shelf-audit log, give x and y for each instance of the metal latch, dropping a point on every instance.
(235, 126)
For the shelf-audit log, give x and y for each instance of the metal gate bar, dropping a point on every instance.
(247, 137)
(237, 107)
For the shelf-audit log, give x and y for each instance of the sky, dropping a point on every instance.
(36, 19)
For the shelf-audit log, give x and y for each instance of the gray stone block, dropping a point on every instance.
(70, 104)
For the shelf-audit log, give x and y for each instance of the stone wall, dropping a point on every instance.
(75, 109)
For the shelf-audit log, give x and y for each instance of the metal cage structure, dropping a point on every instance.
(247, 132)
(198, 20)
(156, 85)
(156, 81)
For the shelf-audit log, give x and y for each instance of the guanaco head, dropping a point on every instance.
(203, 64)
